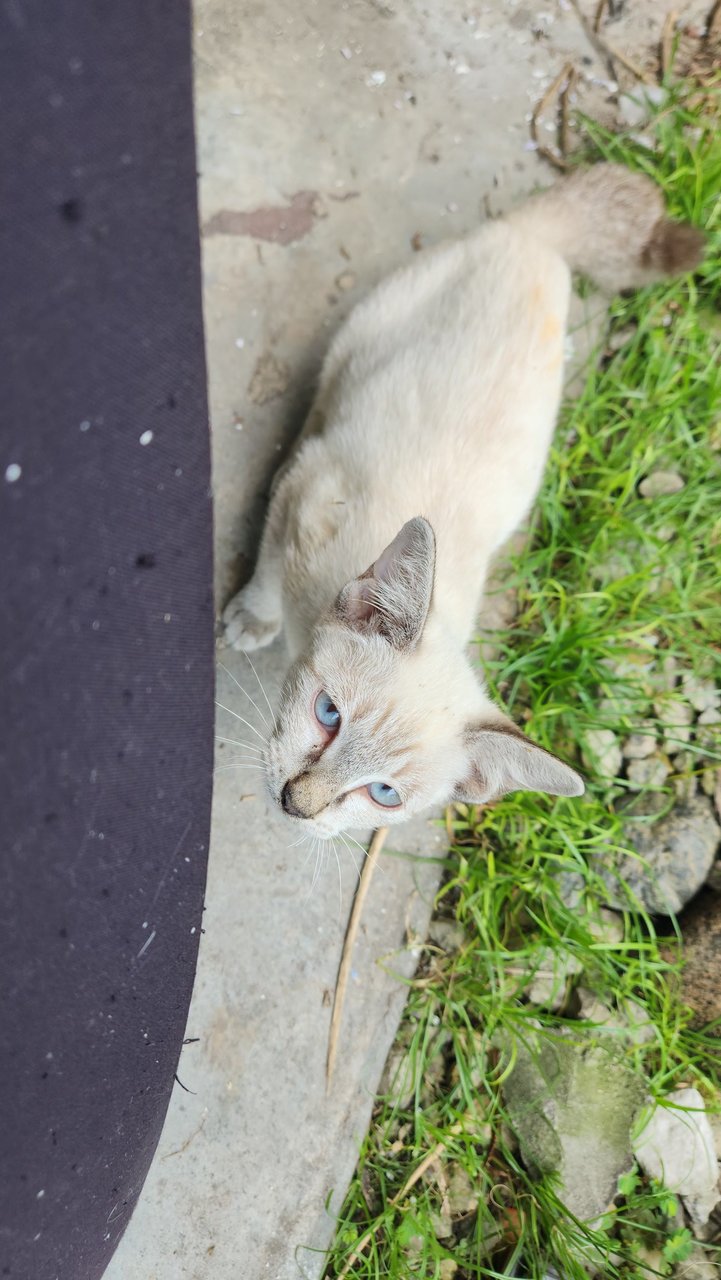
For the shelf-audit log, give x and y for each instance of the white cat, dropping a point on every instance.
(434, 414)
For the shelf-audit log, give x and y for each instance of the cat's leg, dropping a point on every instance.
(254, 616)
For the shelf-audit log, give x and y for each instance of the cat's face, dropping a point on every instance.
(384, 717)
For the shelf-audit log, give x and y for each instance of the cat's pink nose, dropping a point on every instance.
(286, 801)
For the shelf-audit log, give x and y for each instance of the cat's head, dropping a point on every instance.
(385, 717)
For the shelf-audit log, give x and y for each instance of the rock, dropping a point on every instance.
(665, 673)
(345, 280)
(702, 694)
(635, 109)
(447, 934)
(686, 783)
(566, 1101)
(401, 1078)
(270, 379)
(449, 1269)
(710, 780)
(628, 1020)
(676, 1148)
(462, 1195)
(659, 484)
(602, 752)
(676, 717)
(606, 926)
(699, 1265)
(676, 855)
(651, 772)
(620, 337)
(548, 986)
(571, 887)
(639, 1029)
(714, 1120)
(594, 1010)
(701, 975)
(642, 742)
(685, 788)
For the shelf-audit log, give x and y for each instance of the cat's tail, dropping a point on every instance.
(611, 225)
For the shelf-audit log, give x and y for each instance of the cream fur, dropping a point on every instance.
(438, 399)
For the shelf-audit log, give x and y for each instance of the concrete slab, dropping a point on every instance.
(335, 138)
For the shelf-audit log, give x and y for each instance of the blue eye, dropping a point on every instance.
(383, 794)
(326, 712)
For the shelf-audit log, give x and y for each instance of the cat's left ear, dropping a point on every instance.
(393, 597)
(501, 759)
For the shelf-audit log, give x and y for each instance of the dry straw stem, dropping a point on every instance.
(341, 985)
(667, 35)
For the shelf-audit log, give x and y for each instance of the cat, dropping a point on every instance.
(428, 435)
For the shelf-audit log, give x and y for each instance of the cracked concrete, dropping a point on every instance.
(335, 140)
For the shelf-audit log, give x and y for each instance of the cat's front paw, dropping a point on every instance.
(243, 629)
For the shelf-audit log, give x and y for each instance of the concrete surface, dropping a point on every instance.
(334, 139)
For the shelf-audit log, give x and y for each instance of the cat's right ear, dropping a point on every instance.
(393, 597)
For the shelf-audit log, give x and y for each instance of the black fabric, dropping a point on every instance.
(105, 613)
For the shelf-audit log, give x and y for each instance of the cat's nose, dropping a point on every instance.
(286, 800)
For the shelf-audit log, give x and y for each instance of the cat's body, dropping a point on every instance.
(435, 410)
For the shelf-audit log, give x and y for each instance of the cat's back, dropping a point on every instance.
(457, 313)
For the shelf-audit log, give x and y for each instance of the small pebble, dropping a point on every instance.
(660, 484)
(642, 743)
(13, 472)
(345, 280)
(702, 694)
(146, 437)
(602, 752)
(651, 772)
(375, 79)
(676, 718)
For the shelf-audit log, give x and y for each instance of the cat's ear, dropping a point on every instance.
(393, 597)
(500, 758)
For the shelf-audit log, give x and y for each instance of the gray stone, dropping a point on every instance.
(676, 855)
(676, 1147)
(634, 109)
(448, 934)
(700, 1265)
(642, 742)
(660, 484)
(550, 980)
(651, 772)
(572, 1107)
(602, 753)
(704, 695)
(591, 1009)
(676, 717)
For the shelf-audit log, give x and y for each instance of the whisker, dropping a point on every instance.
(350, 851)
(238, 764)
(340, 881)
(237, 742)
(261, 686)
(363, 850)
(245, 691)
(242, 720)
(318, 859)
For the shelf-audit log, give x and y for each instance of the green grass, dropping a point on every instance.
(610, 587)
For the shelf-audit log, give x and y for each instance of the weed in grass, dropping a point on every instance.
(612, 590)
